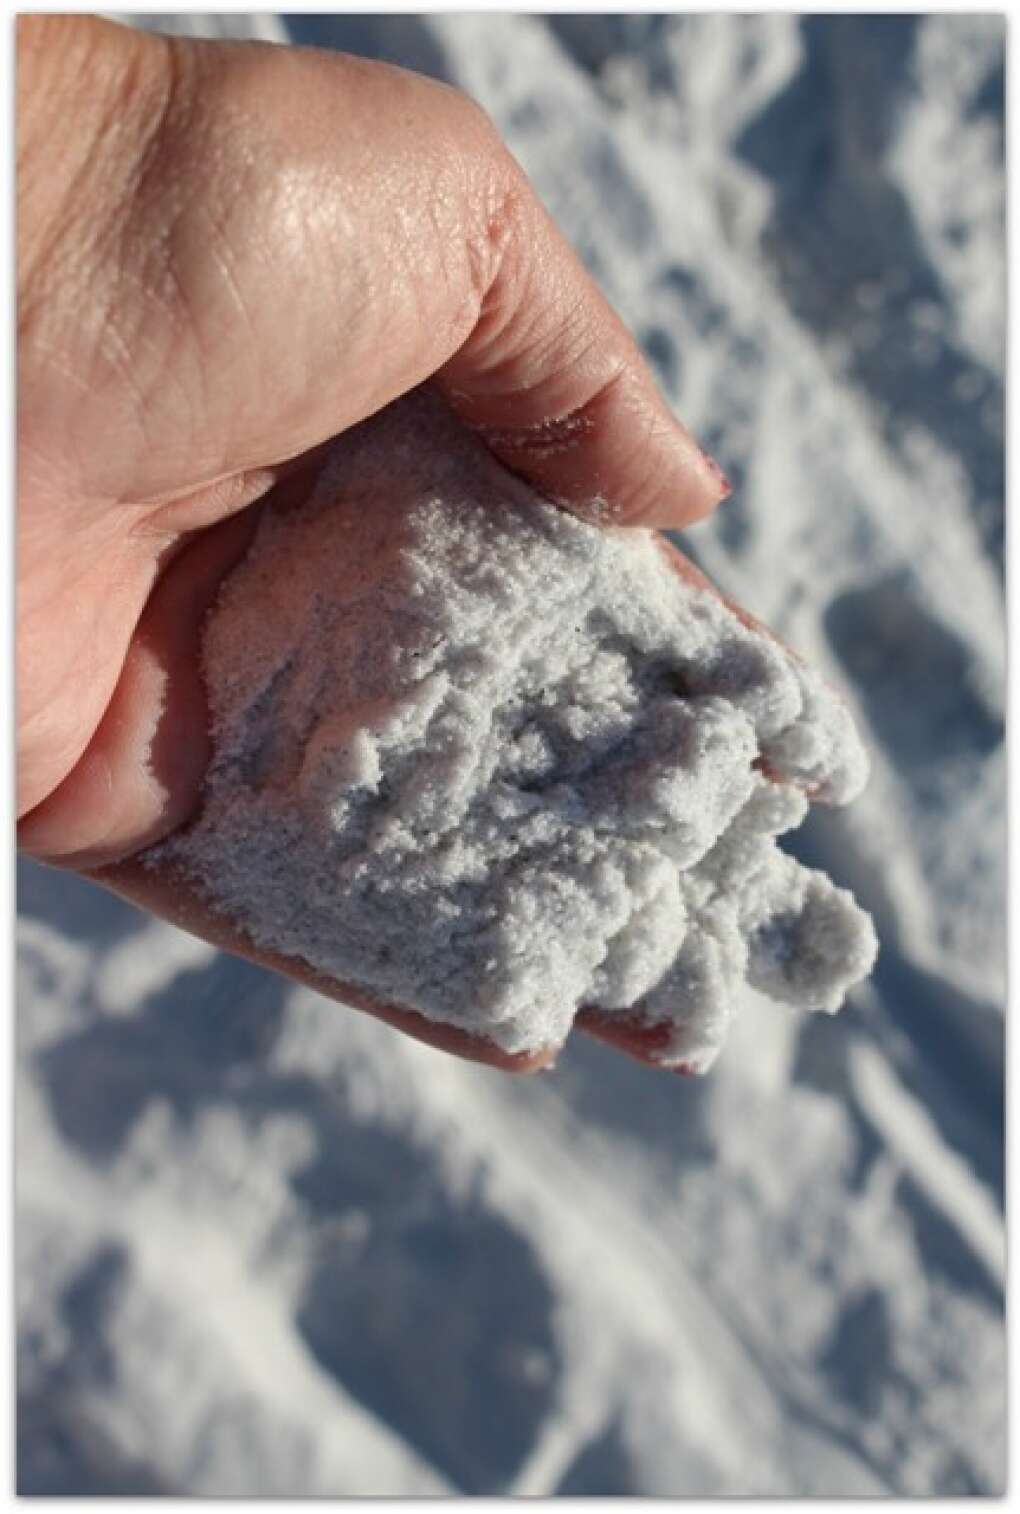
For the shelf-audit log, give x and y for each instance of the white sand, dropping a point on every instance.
(332, 1263)
(495, 765)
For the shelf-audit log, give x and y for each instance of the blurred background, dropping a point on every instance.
(266, 1246)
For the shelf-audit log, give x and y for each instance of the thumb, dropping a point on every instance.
(554, 383)
(471, 283)
(349, 231)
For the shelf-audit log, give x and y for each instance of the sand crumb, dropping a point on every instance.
(492, 763)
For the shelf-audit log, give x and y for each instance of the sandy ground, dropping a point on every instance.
(265, 1246)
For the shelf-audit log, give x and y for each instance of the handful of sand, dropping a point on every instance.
(485, 761)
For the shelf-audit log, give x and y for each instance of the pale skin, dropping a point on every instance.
(227, 255)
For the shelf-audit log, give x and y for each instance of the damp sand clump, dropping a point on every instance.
(485, 761)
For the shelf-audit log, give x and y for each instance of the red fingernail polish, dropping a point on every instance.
(717, 473)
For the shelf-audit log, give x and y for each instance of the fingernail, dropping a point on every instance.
(726, 488)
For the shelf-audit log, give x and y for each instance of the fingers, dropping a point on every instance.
(633, 1037)
(557, 387)
(169, 897)
(142, 772)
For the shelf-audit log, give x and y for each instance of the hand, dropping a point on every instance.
(228, 254)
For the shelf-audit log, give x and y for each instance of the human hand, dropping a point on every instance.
(228, 254)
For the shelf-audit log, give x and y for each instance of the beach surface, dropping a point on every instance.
(269, 1247)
